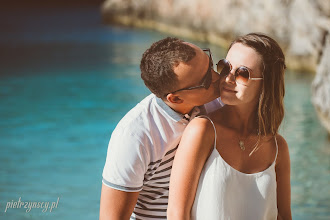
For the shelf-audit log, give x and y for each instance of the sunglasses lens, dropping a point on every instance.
(223, 68)
(242, 75)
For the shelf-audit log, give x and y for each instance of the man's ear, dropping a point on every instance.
(174, 99)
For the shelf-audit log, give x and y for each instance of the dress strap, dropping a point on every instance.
(276, 147)
(215, 132)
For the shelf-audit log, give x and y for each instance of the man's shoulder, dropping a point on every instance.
(140, 111)
(141, 117)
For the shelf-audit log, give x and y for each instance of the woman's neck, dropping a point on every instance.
(242, 119)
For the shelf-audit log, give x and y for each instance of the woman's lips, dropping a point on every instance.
(228, 90)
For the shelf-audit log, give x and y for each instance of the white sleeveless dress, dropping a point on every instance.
(224, 193)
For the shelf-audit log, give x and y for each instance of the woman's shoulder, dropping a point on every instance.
(283, 149)
(281, 142)
(199, 132)
(200, 124)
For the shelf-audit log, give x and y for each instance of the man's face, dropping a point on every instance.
(196, 73)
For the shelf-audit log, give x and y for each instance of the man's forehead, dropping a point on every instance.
(190, 44)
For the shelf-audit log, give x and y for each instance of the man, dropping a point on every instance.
(142, 147)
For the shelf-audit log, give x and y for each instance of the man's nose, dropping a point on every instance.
(215, 76)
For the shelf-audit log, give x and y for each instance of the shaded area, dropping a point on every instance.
(48, 3)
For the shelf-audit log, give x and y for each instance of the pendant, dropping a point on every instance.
(241, 145)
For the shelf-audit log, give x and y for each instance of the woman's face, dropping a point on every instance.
(234, 93)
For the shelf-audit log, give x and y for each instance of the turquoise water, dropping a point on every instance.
(65, 82)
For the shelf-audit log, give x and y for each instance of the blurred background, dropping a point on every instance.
(69, 71)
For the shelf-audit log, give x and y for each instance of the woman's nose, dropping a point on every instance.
(230, 78)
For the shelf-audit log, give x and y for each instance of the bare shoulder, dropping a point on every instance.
(198, 134)
(199, 124)
(282, 144)
(283, 149)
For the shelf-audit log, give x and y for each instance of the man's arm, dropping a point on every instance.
(115, 204)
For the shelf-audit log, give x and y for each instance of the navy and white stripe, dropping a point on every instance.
(153, 198)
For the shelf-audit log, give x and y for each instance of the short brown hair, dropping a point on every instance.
(158, 62)
(271, 103)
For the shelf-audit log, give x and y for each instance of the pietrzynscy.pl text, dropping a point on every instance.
(45, 206)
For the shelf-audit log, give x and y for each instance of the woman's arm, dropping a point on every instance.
(283, 180)
(195, 146)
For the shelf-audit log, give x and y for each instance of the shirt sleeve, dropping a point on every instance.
(126, 162)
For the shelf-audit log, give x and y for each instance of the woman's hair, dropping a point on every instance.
(158, 62)
(271, 106)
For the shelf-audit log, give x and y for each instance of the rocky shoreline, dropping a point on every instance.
(302, 28)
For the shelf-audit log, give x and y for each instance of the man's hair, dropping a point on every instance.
(271, 106)
(158, 62)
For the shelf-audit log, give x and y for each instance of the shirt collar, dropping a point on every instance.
(178, 116)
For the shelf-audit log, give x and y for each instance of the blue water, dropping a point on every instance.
(66, 80)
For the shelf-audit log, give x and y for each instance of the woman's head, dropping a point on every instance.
(266, 60)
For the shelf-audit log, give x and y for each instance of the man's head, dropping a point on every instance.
(177, 72)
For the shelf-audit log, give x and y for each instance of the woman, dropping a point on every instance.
(232, 164)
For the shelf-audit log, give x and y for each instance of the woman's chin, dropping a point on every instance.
(227, 101)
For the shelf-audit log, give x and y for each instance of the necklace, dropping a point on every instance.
(241, 142)
(242, 145)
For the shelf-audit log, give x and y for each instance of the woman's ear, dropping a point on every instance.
(174, 99)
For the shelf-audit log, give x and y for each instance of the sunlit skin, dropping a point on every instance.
(233, 93)
(190, 74)
(236, 120)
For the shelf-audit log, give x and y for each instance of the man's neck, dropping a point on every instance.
(182, 109)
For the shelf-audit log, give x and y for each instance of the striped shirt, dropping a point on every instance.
(141, 153)
(153, 198)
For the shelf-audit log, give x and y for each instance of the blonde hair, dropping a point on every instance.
(271, 101)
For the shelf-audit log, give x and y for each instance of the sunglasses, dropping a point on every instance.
(206, 80)
(242, 74)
